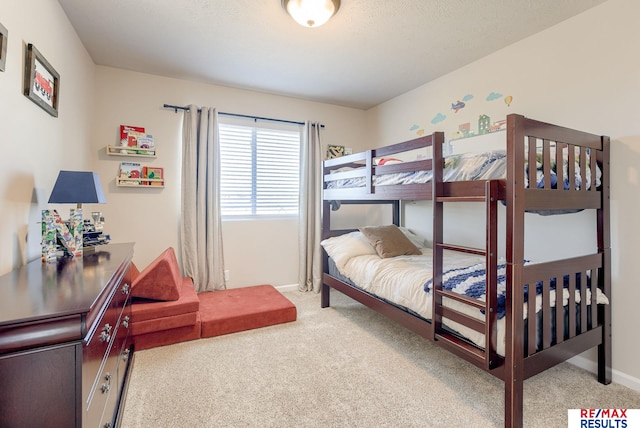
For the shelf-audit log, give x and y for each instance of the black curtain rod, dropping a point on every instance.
(176, 108)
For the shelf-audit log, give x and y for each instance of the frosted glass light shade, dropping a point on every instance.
(311, 13)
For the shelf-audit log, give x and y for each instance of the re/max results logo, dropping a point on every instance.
(604, 418)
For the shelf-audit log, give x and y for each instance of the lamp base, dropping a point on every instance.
(55, 230)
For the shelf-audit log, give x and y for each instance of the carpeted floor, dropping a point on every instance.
(343, 366)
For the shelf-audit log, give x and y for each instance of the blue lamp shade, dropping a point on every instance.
(77, 187)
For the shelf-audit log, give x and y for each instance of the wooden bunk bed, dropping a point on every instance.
(532, 344)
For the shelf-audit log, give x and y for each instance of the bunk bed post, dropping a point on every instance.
(370, 170)
(514, 345)
(326, 219)
(604, 247)
(437, 230)
(491, 262)
(395, 214)
(326, 228)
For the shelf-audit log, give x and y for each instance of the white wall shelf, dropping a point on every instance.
(151, 183)
(130, 151)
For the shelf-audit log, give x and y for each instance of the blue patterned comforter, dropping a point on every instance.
(470, 281)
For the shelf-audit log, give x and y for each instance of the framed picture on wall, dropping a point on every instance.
(4, 35)
(41, 81)
(334, 151)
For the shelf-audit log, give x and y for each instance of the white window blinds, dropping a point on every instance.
(259, 165)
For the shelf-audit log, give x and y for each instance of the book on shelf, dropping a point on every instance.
(129, 172)
(129, 135)
(153, 173)
(146, 142)
(135, 140)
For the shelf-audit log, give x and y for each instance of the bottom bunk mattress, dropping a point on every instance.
(405, 281)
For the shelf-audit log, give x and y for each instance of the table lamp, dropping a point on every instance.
(71, 187)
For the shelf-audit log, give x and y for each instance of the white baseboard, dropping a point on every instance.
(287, 287)
(616, 376)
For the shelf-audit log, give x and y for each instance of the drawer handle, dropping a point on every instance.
(126, 288)
(107, 385)
(105, 336)
(125, 355)
(125, 322)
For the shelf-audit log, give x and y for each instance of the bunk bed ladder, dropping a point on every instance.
(486, 358)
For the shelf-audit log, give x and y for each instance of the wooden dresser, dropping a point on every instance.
(64, 341)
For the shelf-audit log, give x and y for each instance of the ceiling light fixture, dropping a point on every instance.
(311, 13)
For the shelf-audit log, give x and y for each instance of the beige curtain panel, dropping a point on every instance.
(201, 225)
(310, 262)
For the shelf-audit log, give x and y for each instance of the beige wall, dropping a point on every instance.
(36, 145)
(255, 252)
(582, 73)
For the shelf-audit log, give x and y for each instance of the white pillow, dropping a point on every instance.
(342, 248)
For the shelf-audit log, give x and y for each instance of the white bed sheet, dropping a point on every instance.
(401, 280)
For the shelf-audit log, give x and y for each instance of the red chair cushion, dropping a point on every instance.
(146, 309)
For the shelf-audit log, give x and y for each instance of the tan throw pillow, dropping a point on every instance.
(389, 241)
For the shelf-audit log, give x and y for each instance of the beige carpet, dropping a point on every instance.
(343, 366)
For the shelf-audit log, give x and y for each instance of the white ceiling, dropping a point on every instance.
(370, 52)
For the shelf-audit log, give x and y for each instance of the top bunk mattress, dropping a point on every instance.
(486, 165)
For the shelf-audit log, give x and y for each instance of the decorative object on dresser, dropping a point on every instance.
(41, 81)
(64, 341)
(71, 187)
(93, 233)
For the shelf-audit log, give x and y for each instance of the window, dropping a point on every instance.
(259, 168)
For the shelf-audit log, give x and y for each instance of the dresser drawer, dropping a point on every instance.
(103, 401)
(96, 349)
(100, 340)
(124, 334)
(106, 389)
